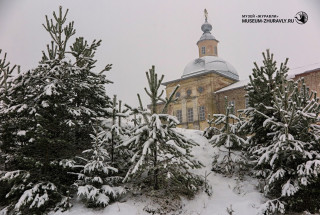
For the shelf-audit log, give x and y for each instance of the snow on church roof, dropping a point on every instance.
(293, 73)
(234, 86)
(206, 36)
(210, 63)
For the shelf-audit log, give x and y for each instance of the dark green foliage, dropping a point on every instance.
(263, 82)
(50, 115)
(308, 199)
(6, 72)
(154, 85)
(284, 145)
(60, 35)
(96, 183)
(291, 161)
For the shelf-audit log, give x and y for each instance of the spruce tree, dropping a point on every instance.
(161, 155)
(6, 75)
(49, 117)
(291, 162)
(263, 82)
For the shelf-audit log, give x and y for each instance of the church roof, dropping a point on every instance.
(210, 64)
(234, 86)
(206, 36)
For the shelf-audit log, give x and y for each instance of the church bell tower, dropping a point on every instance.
(207, 44)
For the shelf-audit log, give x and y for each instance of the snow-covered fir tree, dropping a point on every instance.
(116, 129)
(97, 183)
(229, 159)
(6, 73)
(161, 155)
(263, 82)
(293, 156)
(49, 117)
(284, 142)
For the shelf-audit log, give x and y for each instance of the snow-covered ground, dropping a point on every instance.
(241, 196)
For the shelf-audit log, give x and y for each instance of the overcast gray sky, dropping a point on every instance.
(138, 34)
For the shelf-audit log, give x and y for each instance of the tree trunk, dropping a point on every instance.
(155, 176)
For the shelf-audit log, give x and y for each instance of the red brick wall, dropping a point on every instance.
(312, 80)
(238, 95)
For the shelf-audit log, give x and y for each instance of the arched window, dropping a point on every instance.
(189, 92)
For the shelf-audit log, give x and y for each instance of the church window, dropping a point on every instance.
(215, 50)
(178, 94)
(202, 113)
(190, 114)
(200, 89)
(179, 115)
(203, 50)
(231, 104)
(189, 92)
(247, 102)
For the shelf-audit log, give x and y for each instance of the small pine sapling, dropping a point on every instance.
(229, 210)
(115, 130)
(162, 156)
(211, 130)
(31, 196)
(6, 72)
(228, 140)
(96, 184)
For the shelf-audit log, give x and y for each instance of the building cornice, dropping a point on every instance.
(198, 75)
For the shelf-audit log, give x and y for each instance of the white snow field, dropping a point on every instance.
(241, 196)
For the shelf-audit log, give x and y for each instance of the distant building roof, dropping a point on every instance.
(306, 72)
(291, 75)
(298, 71)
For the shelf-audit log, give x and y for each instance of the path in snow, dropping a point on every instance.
(243, 196)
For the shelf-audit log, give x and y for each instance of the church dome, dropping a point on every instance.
(207, 64)
(206, 27)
